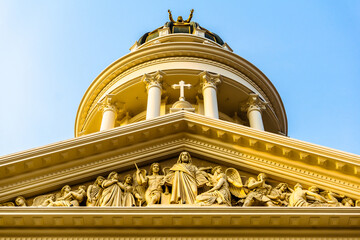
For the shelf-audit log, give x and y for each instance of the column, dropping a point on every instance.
(254, 108)
(153, 84)
(109, 110)
(209, 82)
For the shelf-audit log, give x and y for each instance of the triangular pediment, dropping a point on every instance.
(210, 142)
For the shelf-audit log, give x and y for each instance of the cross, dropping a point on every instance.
(181, 86)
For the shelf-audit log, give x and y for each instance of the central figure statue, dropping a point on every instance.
(185, 178)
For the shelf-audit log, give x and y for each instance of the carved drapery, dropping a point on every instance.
(186, 183)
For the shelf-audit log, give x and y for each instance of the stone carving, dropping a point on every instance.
(112, 194)
(189, 184)
(153, 182)
(94, 192)
(219, 193)
(20, 201)
(305, 198)
(185, 178)
(259, 191)
(280, 194)
(129, 192)
(69, 198)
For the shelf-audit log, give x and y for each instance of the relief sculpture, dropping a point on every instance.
(185, 183)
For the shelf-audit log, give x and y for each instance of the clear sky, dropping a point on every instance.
(50, 52)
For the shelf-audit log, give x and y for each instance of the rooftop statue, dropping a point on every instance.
(180, 19)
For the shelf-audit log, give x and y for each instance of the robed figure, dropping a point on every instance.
(185, 178)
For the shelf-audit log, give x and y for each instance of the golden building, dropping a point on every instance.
(217, 129)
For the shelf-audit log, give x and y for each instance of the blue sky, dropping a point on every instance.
(50, 52)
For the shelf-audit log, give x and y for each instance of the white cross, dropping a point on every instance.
(181, 86)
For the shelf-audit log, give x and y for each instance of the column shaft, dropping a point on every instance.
(209, 83)
(210, 102)
(255, 119)
(254, 107)
(153, 102)
(153, 84)
(108, 119)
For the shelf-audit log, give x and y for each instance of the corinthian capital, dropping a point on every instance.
(254, 103)
(109, 104)
(153, 80)
(209, 80)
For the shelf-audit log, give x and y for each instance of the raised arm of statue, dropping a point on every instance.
(170, 16)
(141, 177)
(190, 16)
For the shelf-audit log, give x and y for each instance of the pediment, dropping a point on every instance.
(211, 142)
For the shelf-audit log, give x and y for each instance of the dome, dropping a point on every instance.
(181, 60)
(181, 26)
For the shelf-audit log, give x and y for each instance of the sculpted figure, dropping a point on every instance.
(299, 197)
(94, 192)
(180, 19)
(219, 193)
(112, 194)
(154, 183)
(68, 198)
(236, 186)
(332, 198)
(20, 201)
(185, 178)
(347, 202)
(7, 204)
(129, 192)
(260, 190)
(280, 195)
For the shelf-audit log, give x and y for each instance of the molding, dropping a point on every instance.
(83, 158)
(174, 217)
(91, 106)
(181, 49)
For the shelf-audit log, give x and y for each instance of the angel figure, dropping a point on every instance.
(154, 181)
(129, 192)
(94, 192)
(280, 194)
(299, 197)
(112, 194)
(236, 186)
(219, 193)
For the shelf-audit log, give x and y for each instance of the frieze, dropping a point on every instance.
(186, 184)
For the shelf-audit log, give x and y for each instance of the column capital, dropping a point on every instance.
(109, 104)
(254, 103)
(153, 80)
(209, 79)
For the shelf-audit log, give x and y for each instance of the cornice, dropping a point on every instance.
(184, 217)
(172, 49)
(80, 159)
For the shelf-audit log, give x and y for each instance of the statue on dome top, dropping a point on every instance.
(180, 19)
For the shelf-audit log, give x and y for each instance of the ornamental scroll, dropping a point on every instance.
(185, 183)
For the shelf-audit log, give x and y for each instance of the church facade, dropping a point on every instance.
(180, 139)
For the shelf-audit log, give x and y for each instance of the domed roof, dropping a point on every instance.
(181, 26)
